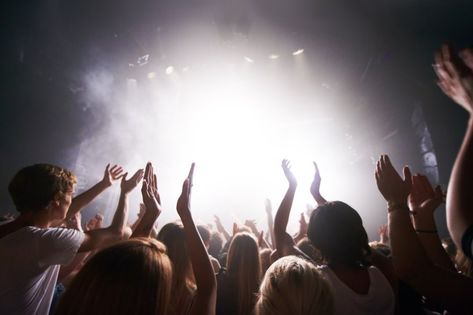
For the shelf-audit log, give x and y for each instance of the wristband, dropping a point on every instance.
(396, 206)
(426, 231)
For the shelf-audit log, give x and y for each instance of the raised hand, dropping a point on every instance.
(383, 234)
(424, 199)
(183, 203)
(315, 186)
(393, 188)
(286, 167)
(252, 225)
(75, 222)
(455, 84)
(303, 225)
(149, 192)
(112, 174)
(268, 207)
(127, 185)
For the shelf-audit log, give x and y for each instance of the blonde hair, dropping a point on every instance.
(244, 269)
(294, 286)
(131, 277)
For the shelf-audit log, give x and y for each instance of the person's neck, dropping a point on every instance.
(34, 218)
(29, 218)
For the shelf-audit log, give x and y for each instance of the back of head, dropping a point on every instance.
(131, 277)
(294, 286)
(244, 268)
(337, 231)
(172, 235)
(215, 244)
(204, 234)
(33, 187)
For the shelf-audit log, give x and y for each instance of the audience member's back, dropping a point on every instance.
(238, 287)
(337, 231)
(30, 251)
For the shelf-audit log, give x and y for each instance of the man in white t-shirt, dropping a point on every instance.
(31, 250)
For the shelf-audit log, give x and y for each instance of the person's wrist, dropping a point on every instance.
(397, 205)
(105, 183)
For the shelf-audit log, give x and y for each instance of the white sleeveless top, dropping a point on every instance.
(379, 300)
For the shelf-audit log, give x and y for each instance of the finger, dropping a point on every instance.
(124, 177)
(147, 171)
(185, 188)
(444, 87)
(407, 175)
(190, 176)
(113, 168)
(467, 56)
(449, 66)
(107, 168)
(426, 186)
(440, 68)
(155, 183)
(317, 172)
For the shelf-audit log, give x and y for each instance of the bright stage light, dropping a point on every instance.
(236, 122)
(249, 59)
(169, 70)
(273, 56)
(151, 75)
(298, 52)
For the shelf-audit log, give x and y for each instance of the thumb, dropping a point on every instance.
(124, 177)
(407, 175)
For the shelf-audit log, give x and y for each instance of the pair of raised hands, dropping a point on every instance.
(314, 187)
(151, 198)
(116, 172)
(414, 191)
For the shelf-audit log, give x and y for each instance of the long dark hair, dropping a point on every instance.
(337, 231)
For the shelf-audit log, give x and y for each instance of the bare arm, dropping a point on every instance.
(97, 238)
(110, 175)
(221, 228)
(152, 202)
(423, 201)
(410, 260)
(270, 220)
(459, 87)
(315, 187)
(282, 215)
(206, 296)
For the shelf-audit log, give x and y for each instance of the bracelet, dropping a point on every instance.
(426, 231)
(394, 206)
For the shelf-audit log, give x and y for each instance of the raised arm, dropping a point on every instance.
(410, 260)
(282, 215)
(459, 87)
(270, 220)
(221, 228)
(423, 201)
(100, 237)
(315, 187)
(206, 296)
(111, 174)
(152, 202)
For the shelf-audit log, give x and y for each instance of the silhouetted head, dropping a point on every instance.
(43, 186)
(337, 231)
